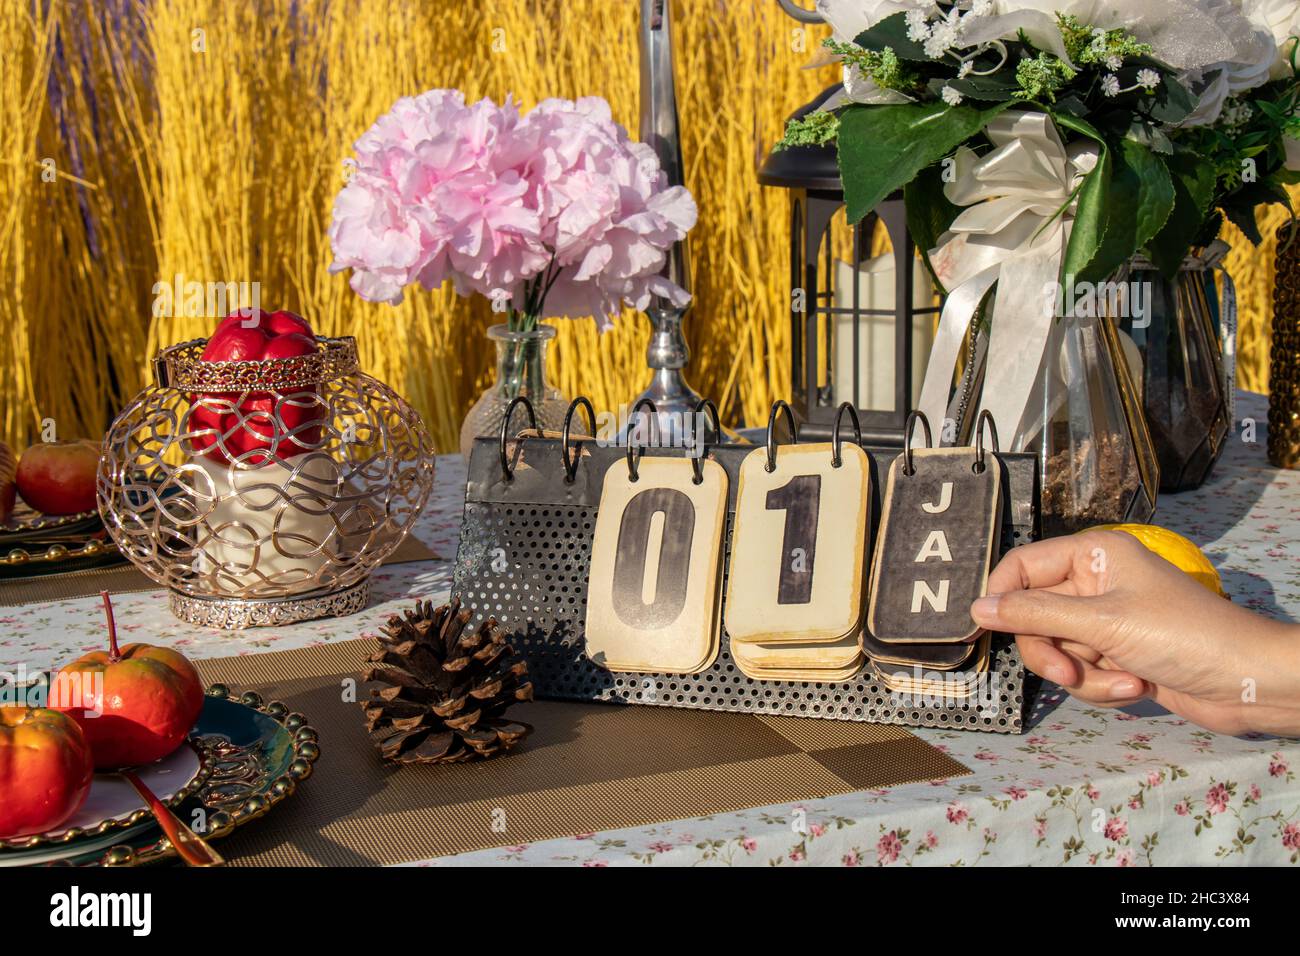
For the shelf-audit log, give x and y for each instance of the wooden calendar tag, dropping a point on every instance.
(827, 663)
(805, 677)
(939, 657)
(798, 546)
(905, 679)
(832, 657)
(656, 561)
(939, 529)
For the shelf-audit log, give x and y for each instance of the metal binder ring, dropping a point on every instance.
(505, 429)
(908, 427)
(697, 461)
(633, 450)
(836, 460)
(571, 466)
(779, 406)
(985, 419)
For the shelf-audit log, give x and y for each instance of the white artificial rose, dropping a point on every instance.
(1209, 98)
(1186, 34)
(1281, 18)
(848, 18)
(1254, 58)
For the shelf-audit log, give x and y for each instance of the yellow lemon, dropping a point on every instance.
(1175, 549)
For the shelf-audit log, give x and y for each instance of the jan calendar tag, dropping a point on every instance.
(656, 563)
(939, 529)
(939, 657)
(798, 548)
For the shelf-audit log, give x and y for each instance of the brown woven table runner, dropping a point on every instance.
(125, 578)
(585, 768)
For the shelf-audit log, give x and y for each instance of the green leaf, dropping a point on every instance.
(1153, 137)
(1079, 125)
(1156, 195)
(1090, 212)
(1194, 182)
(1173, 102)
(1089, 219)
(1272, 111)
(892, 32)
(882, 148)
(1243, 217)
(1140, 199)
(1071, 104)
(1240, 205)
(996, 88)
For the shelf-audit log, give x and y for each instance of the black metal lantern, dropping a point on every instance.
(854, 337)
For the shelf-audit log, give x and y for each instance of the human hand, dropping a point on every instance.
(1113, 623)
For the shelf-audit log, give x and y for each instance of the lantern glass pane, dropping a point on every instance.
(862, 280)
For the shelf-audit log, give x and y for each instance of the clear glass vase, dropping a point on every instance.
(1182, 381)
(1097, 461)
(520, 370)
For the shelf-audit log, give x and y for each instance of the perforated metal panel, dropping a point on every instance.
(525, 547)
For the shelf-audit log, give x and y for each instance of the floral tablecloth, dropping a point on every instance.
(1083, 786)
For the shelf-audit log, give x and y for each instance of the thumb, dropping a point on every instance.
(1042, 613)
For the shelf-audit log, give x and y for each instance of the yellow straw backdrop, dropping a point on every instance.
(146, 141)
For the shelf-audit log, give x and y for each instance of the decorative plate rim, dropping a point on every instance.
(200, 778)
(222, 822)
(20, 556)
(43, 522)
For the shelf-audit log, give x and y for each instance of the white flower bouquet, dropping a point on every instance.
(1042, 142)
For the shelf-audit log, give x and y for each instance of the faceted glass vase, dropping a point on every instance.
(1182, 378)
(520, 370)
(1098, 464)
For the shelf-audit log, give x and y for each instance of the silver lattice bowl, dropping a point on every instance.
(263, 492)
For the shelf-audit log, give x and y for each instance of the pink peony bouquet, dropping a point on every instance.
(553, 213)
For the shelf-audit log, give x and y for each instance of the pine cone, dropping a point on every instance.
(447, 687)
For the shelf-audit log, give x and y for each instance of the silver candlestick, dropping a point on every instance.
(668, 353)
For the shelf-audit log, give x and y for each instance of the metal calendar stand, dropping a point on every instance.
(525, 547)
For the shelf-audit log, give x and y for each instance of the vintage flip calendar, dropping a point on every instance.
(622, 571)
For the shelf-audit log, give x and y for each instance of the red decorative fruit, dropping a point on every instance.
(58, 477)
(240, 423)
(135, 705)
(45, 770)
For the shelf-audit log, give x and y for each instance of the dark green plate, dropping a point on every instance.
(259, 752)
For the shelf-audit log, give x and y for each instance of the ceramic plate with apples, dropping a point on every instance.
(55, 479)
(48, 517)
(115, 720)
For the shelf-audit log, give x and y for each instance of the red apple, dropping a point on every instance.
(237, 424)
(135, 705)
(58, 477)
(45, 770)
(8, 490)
(235, 344)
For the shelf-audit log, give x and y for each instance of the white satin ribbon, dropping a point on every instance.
(1020, 204)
